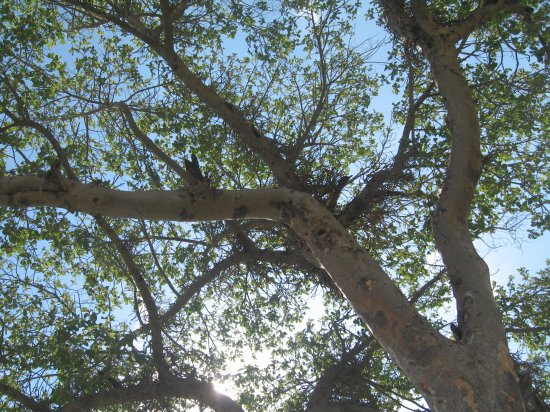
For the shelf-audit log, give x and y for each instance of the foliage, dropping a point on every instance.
(73, 321)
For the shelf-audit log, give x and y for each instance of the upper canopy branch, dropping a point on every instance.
(121, 16)
(405, 20)
(485, 13)
(232, 115)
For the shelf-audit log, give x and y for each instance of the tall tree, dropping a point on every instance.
(181, 179)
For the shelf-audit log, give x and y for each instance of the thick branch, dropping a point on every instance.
(478, 314)
(479, 320)
(349, 361)
(372, 293)
(406, 21)
(468, 272)
(485, 13)
(23, 399)
(201, 204)
(251, 136)
(167, 22)
(174, 388)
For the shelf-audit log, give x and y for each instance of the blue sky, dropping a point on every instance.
(509, 255)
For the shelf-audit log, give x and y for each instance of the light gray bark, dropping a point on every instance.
(485, 377)
(474, 374)
(397, 325)
(478, 317)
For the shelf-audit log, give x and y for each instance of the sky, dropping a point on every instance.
(503, 261)
(504, 255)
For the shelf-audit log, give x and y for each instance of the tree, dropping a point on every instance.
(180, 178)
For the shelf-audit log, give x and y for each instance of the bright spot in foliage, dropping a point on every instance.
(225, 388)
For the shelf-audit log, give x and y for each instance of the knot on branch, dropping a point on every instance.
(193, 169)
(54, 177)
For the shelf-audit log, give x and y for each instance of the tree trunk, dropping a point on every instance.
(486, 378)
(452, 376)
(475, 373)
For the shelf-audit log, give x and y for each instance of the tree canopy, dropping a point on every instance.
(211, 191)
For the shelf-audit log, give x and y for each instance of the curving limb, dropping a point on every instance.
(478, 315)
(485, 13)
(360, 278)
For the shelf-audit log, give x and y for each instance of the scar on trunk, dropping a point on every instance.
(240, 212)
(468, 392)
